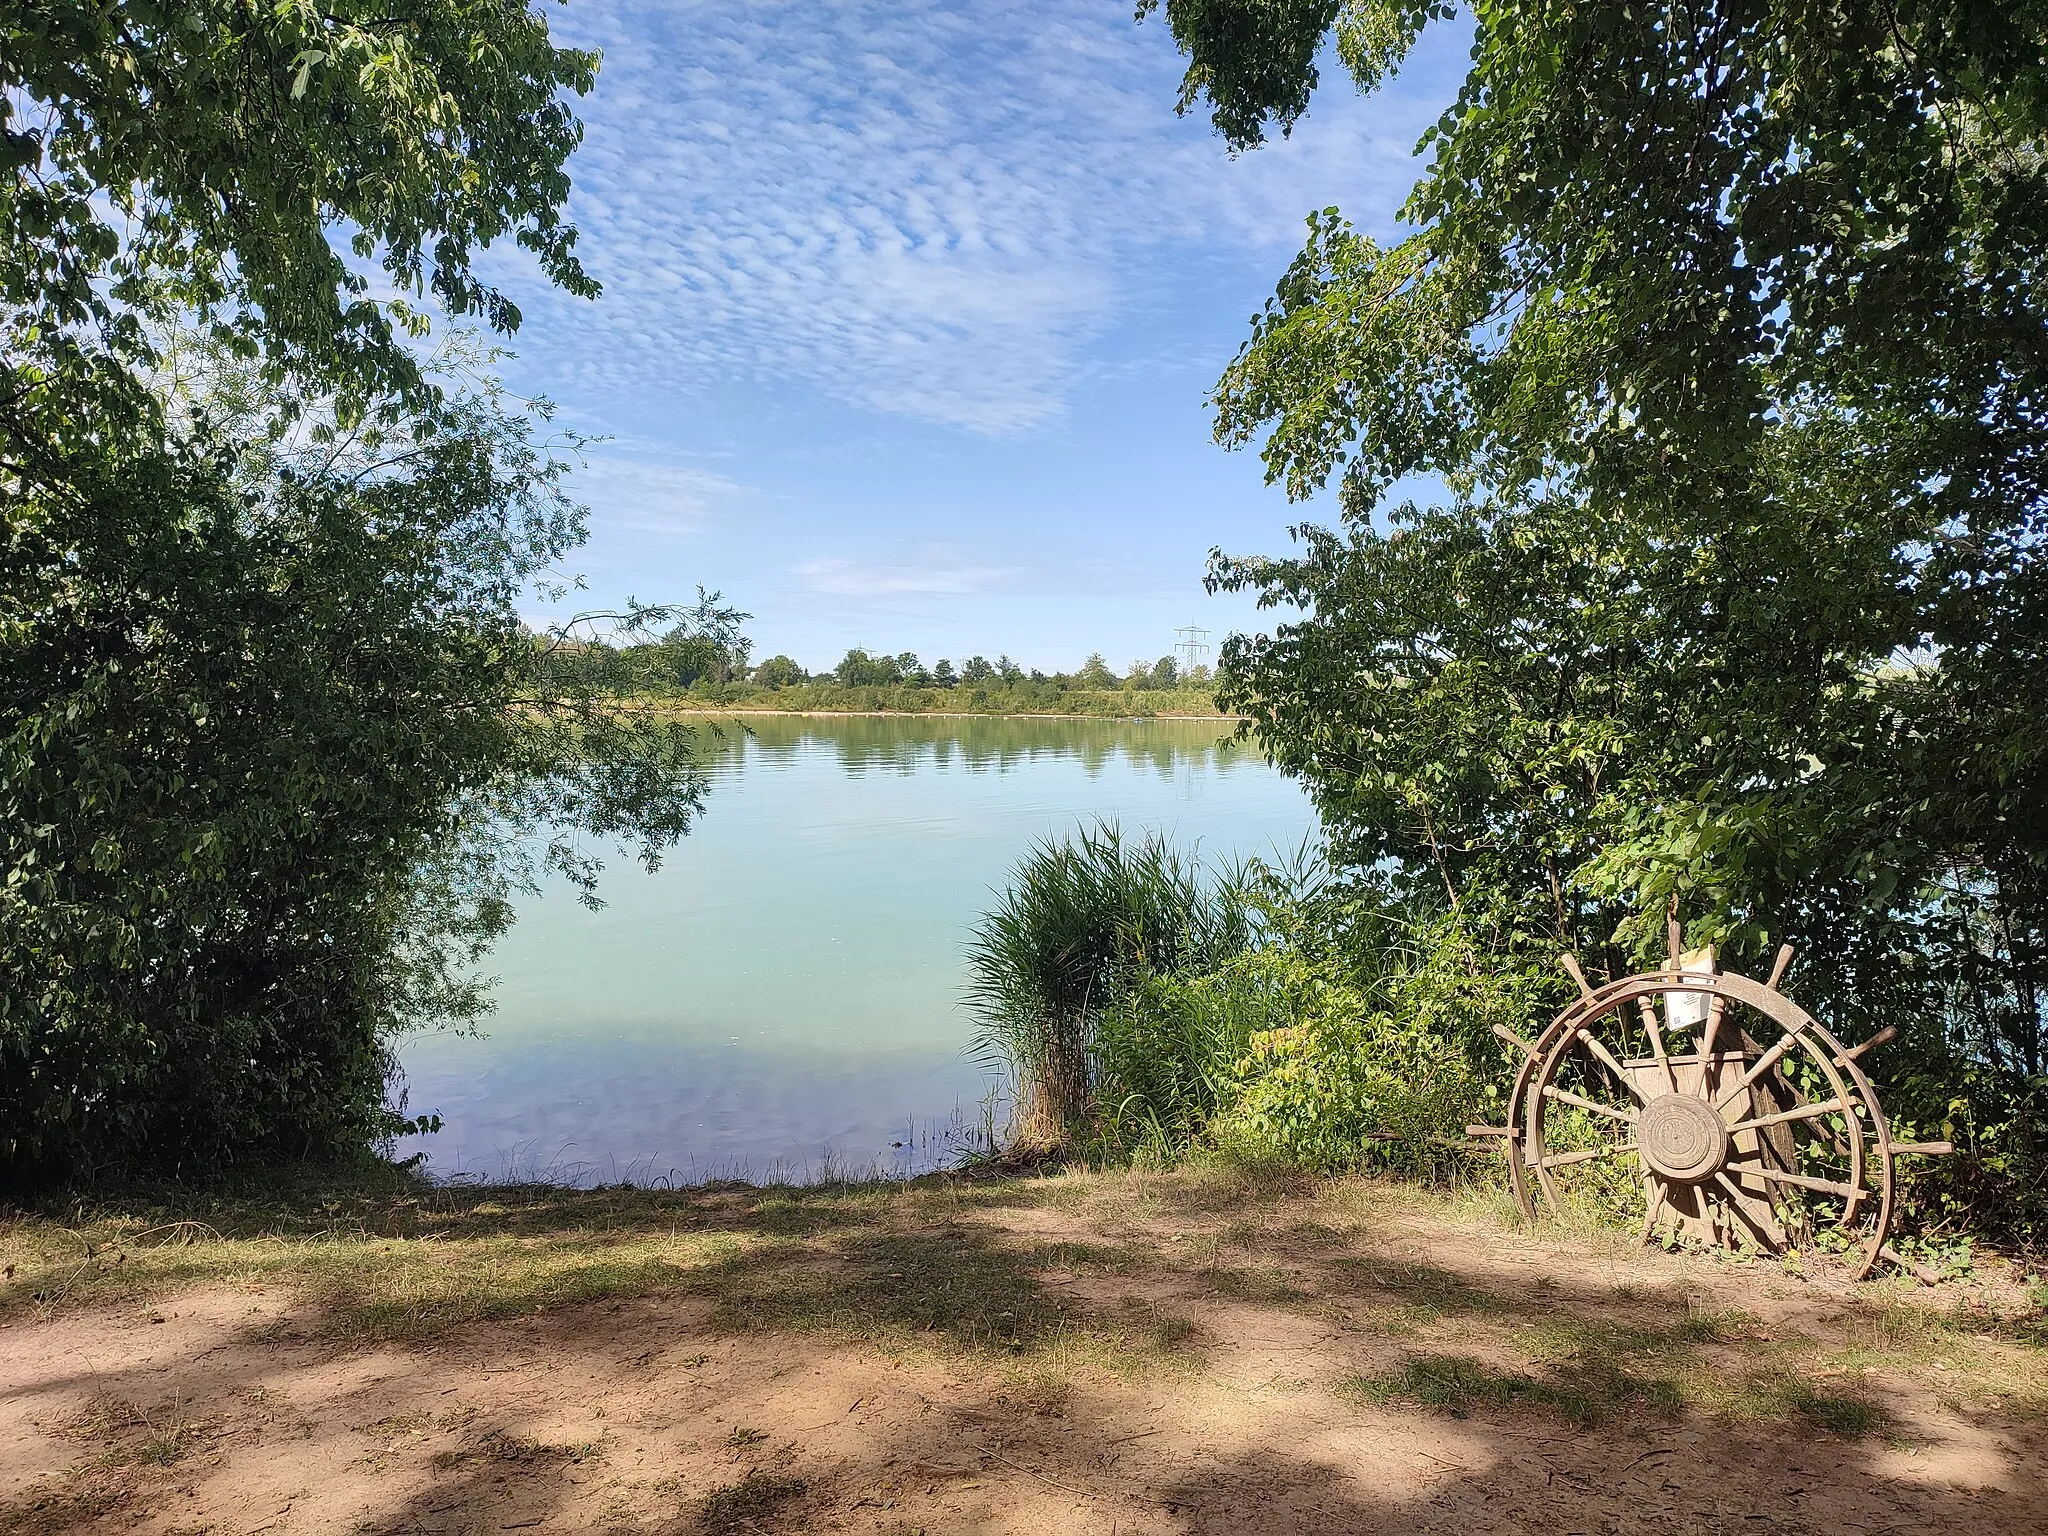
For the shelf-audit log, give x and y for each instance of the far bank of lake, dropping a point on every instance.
(785, 994)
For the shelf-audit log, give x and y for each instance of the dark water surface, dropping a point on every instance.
(784, 995)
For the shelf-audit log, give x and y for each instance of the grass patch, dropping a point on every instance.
(1788, 1393)
(521, 1450)
(1850, 1417)
(1262, 1284)
(742, 1505)
(1724, 1325)
(1458, 1384)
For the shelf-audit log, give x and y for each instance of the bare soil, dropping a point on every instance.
(1122, 1354)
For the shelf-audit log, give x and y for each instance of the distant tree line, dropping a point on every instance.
(706, 651)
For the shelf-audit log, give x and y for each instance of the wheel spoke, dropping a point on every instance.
(1593, 1044)
(1757, 1069)
(1803, 1181)
(1648, 1010)
(1552, 1091)
(1656, 1209)
(1566, 1159)
(1803, 1112)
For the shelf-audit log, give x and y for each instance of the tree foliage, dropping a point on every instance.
(275, 750)
(1722, 328)
(270, 767)
(202, 154)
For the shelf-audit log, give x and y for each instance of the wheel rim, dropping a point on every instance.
(1764, 1140)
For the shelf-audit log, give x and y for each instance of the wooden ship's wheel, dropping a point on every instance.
(1745, 1122)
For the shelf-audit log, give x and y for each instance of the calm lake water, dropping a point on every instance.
(784, 996)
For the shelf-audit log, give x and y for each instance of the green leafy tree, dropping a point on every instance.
(1008, 670)
(857, 669)
(779, 672)
(706, 643)
(275, 754)
(275, 751)
(1095, 673)
(976, 670)
(1723, 329)
(942, 673)
(1165, 673)
(202, 154)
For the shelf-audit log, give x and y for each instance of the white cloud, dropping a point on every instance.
(936, 577)
(651, 499)
(929, 208)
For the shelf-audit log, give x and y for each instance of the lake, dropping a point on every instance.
(783, 998)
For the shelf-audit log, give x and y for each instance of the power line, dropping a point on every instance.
(1192, 647)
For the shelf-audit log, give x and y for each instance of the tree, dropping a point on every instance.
(197, 155)
(857, 669)
(976, 670)
(1008, 670)
(942, 673)
(1165, 673)
(779, 672)
(1725, 329)
(706, 643)
(274, 748)
(911, 670)
(275, 752)
(1095, 673)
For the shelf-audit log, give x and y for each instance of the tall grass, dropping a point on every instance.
(1087, 918)
(1168, 1053)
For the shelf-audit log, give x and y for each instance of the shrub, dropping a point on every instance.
(1085, 919)
(1354, 1081)
(1168, 1053)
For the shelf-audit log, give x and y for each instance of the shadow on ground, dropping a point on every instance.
(1175, 1353)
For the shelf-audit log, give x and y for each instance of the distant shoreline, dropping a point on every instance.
(935, 714)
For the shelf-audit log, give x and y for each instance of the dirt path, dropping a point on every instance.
(1135, 1354)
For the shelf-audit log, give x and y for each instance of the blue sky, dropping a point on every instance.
(910, 310)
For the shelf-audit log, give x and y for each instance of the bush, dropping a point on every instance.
(1085, 919)
(273, 752)
(1168, 1053)
(1277, 1014)
(1356, 1078)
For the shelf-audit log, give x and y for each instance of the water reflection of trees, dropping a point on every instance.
(907, 744)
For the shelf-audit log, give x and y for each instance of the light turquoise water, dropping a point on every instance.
(784, 995)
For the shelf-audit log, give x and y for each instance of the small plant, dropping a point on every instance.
(742, 1437)
(162, 1450)
(1946, 1258)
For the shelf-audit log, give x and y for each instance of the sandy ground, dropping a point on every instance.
(224, 1409)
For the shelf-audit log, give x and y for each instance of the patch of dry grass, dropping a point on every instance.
(966, 1268)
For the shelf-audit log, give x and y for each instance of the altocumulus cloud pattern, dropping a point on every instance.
(928, 210)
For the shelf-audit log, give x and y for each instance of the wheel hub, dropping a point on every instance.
(1682, 1138)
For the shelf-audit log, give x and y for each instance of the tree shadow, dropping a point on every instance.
(1432, 1393)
